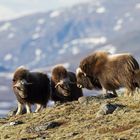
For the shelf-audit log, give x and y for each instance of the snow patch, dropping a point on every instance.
(38, 52)
(41, 21)
(120, 21)
(137, 6)
(127, 14)
(118, 25)
(8, 57)
(101, 10)
(5, 26)
(11, 35)
(54, 14)
(62, 51)
(35, 36)
(95, 40)
(75, 50)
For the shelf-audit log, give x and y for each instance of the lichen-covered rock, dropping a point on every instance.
(106, 108)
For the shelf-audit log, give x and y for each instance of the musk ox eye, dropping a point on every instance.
(13, 80)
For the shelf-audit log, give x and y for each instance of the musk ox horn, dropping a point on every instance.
(78, 70)
(24, 82)
(59, 83)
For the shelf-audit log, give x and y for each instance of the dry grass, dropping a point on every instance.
(78, 122)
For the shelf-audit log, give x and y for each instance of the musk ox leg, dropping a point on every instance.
(28, 108)
(20, 108)
(104, 91)
(38, 107)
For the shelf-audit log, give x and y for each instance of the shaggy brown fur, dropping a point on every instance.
(137, 78)
(30, 88)
(112, 71)
(63, 85)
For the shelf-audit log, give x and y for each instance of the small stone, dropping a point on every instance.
(13, 123)
(49, 125)
(83, 100)
(105, 109)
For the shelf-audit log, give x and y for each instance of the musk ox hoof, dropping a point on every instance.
(13, 111)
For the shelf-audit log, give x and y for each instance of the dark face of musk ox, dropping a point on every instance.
(64, 88)
(85, 81)
(20, 87)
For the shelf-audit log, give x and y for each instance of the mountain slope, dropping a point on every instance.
(45, 39)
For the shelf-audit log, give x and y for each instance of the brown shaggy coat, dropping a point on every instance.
(30, 88)
(137, 78)
(63, 85)
(112, 71)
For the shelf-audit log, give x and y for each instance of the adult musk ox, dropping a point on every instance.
(111, 71)
(30, 88)
(63, 85)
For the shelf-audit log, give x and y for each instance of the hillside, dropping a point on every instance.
(41, 40)
(45, 39)
(83, 120)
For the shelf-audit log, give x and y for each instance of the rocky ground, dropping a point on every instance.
(90, 118)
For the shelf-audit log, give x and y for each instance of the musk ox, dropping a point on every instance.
(112, 71)
(63, 85)
(30, 88)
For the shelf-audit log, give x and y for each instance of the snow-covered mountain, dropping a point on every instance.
(65, 36)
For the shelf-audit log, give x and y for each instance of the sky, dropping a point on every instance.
(15, 8)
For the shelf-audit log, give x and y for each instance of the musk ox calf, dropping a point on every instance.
(30, 88)
(111, 71)
(63, 85)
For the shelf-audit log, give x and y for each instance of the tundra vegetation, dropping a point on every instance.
(77, 121)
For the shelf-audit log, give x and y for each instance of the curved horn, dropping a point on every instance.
(78, 70)
(24, 82)
(59, 83)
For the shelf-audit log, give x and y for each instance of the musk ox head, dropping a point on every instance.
(20, 82)
(87, 81)
(61, 80)
(63, 87)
